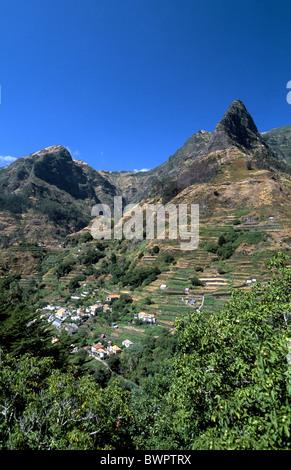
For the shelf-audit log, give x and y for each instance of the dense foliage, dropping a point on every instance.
(230, 240)
(218, 382)
(15, 203)
(231, 381)
(68, 216)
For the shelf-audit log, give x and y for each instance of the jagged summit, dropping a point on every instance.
(236, 128)
(49, 185)
(53, 150)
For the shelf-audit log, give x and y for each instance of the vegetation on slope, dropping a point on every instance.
(221, 382)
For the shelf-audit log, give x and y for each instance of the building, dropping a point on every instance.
(49, 307)
(95, 308)
(112, 298)
(126, 343)
(146, 317)
(61, 314)
(95, 347)
(57, 324)
(113, 349)
(106, 308)
(71, 328)
(101, 353)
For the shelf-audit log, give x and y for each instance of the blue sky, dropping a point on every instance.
(124, 83)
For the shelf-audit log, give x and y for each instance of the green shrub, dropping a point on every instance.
(64, 268)
(211, 247)
(236, 222)
(91, 256)
(165, 258)
(195, 281)
(140, 276)
(226, 245)
(222, 268)
(15, 203)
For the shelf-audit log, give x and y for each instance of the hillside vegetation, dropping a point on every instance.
(135, 344)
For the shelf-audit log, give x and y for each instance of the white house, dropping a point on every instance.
(102, 353)
(50, 307)
(57, 324)
(147, 317)
(95, 308)
(126, 343)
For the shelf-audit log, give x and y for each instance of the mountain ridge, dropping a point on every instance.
(51, 180)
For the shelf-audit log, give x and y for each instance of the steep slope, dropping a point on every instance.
(232, 173)
(52, 187)
(236, 129)
(177, 163)
(134, 186)
(54, 166)
(279, 140)
(235, 136)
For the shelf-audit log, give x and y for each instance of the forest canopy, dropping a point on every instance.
(220, 382)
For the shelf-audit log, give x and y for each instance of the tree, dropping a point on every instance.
(43, 408)
(231, 382)
(152, 425)
(22, 330)
(195, 281)
(75, 282)
(221, 240)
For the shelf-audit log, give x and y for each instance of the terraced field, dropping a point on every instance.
(241, 267)
(247, 263)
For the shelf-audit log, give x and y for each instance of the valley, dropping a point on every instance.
(119, 309)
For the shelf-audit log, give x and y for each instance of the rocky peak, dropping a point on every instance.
(52, 165)
(53, 151)
(236, 128)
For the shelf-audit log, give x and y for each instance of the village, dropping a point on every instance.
(70, 318)
(86, 304)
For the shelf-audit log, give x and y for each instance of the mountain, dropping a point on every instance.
(52, 271)
(236, 129)
(238, 177)
(47, 194)
(279, 140)
(54, 166)
(205, 154)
